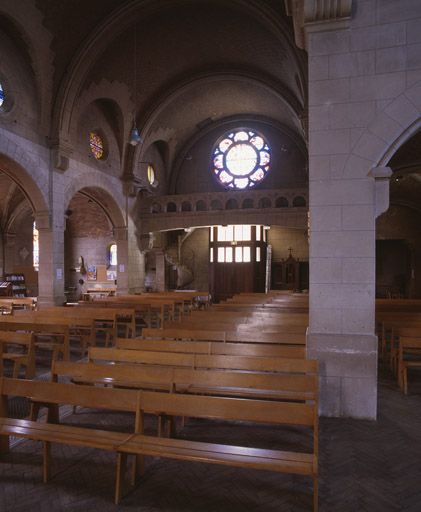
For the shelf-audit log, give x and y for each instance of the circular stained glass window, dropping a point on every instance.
(97, 145)
(2, 97)
(241, 159)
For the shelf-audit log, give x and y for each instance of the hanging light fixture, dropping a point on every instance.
(135, 137)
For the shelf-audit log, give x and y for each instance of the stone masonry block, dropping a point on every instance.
(325, 43)
(339, 192)
(327, 270)
(359, 397)
(351, 115)
(318, 68)
(329, 91)
(414, 56)
(385, 127)
(370, 147)
(414, 95)
(358, 320)
(351, 64)
(378, 87)
(358, 270)
(391, 59)
(358, 217)
(363, 39)
(326, 218)
(413, 32)
(329, 142)
(391, 34)
(339, 244)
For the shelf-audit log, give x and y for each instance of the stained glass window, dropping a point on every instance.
(151, 174)
(97, 145)
(2, 96)
(35, 247)
(112, 254)
(241, 159)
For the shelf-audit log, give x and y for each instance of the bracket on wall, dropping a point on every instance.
(61, 152)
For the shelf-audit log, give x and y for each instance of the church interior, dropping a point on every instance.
(210, 255)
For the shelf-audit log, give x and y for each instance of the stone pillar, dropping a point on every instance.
(345, 197)
(120, 236)
(51, 261)
(9, 252)
(160, 270)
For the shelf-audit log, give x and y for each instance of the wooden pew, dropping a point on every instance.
(239, 336)
(290, 386)
(105, 320)
(55, 394)
(202, 361)
(10, 304)
(213, 348)
(49, 335)
(409, 357)
(220, 408)
(25, 341)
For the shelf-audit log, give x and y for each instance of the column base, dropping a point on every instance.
(348, 374)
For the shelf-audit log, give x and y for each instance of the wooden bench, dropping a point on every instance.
(87, 323)
(238, 336)
(26, 342)
(303, 415)
(48, 334)
(213, 348)
(409, 357)
(202, 361)
(125, 400)
(290, 386)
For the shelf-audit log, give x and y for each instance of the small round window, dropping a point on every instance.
(241, 159)
(151, 174)
(2, 95)
(97, 145)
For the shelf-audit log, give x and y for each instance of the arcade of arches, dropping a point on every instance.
(299, 121)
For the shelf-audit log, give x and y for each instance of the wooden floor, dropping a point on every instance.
(364, 465)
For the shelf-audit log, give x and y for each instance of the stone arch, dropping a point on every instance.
(390, 128)
(299, 201)
(26, 173)
(29, 21)
(115, 24)
(186, 206)
(281, 202)
(231, 204)
(118, 96)
(247, 203)
(98, 187)
(171, 207)
(216, 204)
(265, 202)
(201, 206)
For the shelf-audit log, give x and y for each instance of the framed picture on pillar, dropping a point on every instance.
(91, 273)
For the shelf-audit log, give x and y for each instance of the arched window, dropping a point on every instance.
(241, 159)
(151, 174)
(299, 201)
(97, 145)
(35, 247)
(112, 254)
(2, 95)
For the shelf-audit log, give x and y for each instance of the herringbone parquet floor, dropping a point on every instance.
(365, 467)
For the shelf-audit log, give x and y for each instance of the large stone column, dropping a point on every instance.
(120, 236)
(345, 196)
(51, 260)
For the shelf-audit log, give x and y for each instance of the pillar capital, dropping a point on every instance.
(381, 177)
(317, 16)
